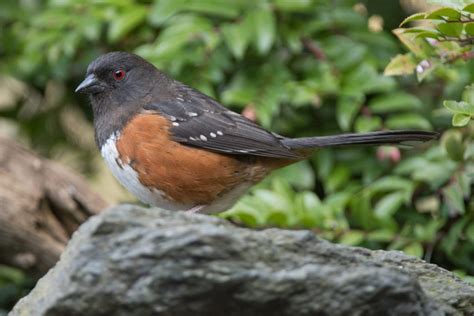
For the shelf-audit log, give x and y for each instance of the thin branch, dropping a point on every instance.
(464, 56)
(313, 48)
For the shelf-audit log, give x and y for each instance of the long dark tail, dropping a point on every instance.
(403, 137)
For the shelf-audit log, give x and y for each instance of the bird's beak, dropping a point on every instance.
(90, 85)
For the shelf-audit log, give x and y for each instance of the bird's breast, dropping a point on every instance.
(125, 173)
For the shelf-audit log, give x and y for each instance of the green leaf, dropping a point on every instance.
(164, 9)
(366, 79)
(417, 30)
(310, 201)
(390, 183)
(428, 34)
(282, 188)
(466, 180)
(123, 24)
(460, 119)
(339, 176)
(352, 238)
(407, 120)
(381, 235)
(469, 154)
(345, 52)
(237, 38)
(444, 13)
(408, 166)
(231, 9)
(367, 123)
(469, 28)
(413, 17)
(427, 232)
(452, 143)
(388, 205)
(422, 32)
(324, 161)
(182, 33)
(347, 108)
(293, 5)
(414, 249)
(241, 90)
(468, 95)
(395, 102)
(270, 198)
(454, 198)
(459, 107)
(470, 231)
(278, 219)
(264, 28)
(417, 46)
(451, 29)
(400, 65)
(336, 202)
(451, 241)
(361, 211)
(300, 175)
(435, 174)
(11, 274)
(248, 218)
(469, 8)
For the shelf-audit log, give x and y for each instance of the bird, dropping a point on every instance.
(178, 149)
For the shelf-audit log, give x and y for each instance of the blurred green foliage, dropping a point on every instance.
(301, 67)
(447, 38)
(13, 284)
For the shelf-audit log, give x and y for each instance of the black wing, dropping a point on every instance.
(200, 121)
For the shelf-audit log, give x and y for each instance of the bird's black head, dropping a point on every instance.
(117, 74)
(119, 84)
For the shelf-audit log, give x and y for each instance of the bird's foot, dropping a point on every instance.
(196, 209)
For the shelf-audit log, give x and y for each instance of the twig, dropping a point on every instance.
(313, 48)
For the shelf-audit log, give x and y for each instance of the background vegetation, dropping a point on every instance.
(299, 67)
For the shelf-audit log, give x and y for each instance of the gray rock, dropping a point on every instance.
(135, 261)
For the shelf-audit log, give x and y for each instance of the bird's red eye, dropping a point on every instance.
(119, 74)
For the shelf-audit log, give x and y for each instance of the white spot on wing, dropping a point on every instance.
(202, 137)
(192, 114)
(175, 124)
(212, 134)
(220, 133)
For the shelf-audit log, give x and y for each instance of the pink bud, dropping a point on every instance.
(390, 153)
(250, 113)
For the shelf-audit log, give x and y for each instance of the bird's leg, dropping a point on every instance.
(195, 209)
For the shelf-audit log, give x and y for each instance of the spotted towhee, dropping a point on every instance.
(176, 148)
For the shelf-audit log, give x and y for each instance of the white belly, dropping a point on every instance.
(227, 200)
(128, 177)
